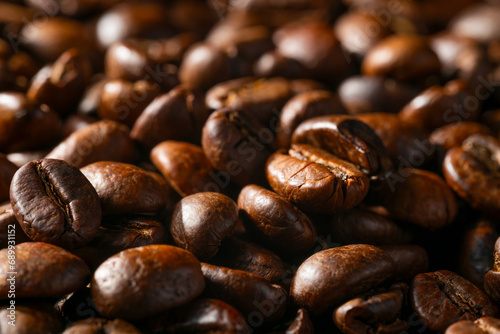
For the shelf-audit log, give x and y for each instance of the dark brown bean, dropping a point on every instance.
(98, 325)
(10, 229)
(128, 61)
(484, 325)
(30, 318)
(42, 270)
(442, 298)
(330, 276)
(162, 277)
(201, 221)
(315, 180)
(7, 170)
(409, 260)
(479, 22)
(492, 277)
(454, 134)
(55, 203)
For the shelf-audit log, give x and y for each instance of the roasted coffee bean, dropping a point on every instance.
(118, 233)
(61, 84)
(403, 141)
(10, 230)
(127, 20)
(125, 188)
(409, 260)
(442, 298)
(91, 98)
(50, 37)
(7, 170)
(315, 180)
(347, 138)
(201, 221)
(185, 167)
(479, 22)
(364, 94)
(177, 115)
(74, 123)
(303, 107)
(238, 145)
(473, 172)
(359, 31)
(162, 277)
(262, 98)
(200, 315)
(402, 57)
(98, 325)
(31, 318)
(203, 66)
(42, 270)
(24, 125)
(416, 196)
(21, 158)
(72, 8)
(55, 203)
(103, 140)
(492, 277)
(437, 106)
(77, 305)
(258, 300)
(274, 64)
(239, 254)
(301, 324)
(128, 61)
(123, 101)
(275, 222)
(484, 325)
(375, 312)
(330, 276)
(357, 226)
(478, 243)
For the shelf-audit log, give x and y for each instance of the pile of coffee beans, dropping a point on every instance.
(250, 166)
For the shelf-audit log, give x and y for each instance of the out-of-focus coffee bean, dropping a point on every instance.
(124, 188)
(61, 84)
(401, 57)
(479, 22)
(303, 107)
(365, 94)
(410, 260)
(442, 298)
(359, 31)
(484, 325)
(377, 311)
(454, 134)
(127, 60)
(163, 277)
(24, 125)
(417, 196)
(98, 325)
(238, 145)
(91, 98)
(185, 167)
(473, 172)
(358, 226)
(134, 19)
(274, 64)
(203, 66)
(7, 170)
(330, 276)
(170, 50)
(492, 277)
(275, 222)
(177, 115)
(23, 157)
(347, 138)
(76, 122)
(11, 232)
(478, 243)
(315, 180)
(43, 270)
(437, 106)
(123, 101)
(247, 292)
(103, 140)
(201, 221)
(33, 318)
(55, 203)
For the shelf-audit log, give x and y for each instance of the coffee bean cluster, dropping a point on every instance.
(250, 166)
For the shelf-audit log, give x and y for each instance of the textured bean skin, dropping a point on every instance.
(492, 277)
(201, 221)
(275, 221)
(43, 270)
(123, 188)
(332, 275)
(315, 180)
(55, 203)
(31, 318)
(162, 277)
(443, 297)
(97, 325)
(483, 325)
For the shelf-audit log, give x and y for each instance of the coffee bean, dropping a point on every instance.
(10, 227)
(492, 277)
(55, 203)
(484, 325)
(43, 270)
(97, 325)
(330, 276)
(454, 134)
(315, 180)
(442, 298)
(409, 260)
(162, 277)
(34, 318)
